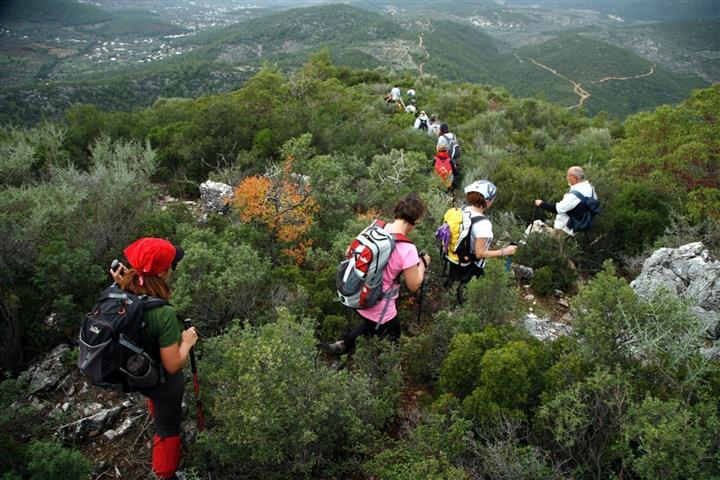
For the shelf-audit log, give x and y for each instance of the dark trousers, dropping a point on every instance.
(463, 274)
(368, 328)
(167, 399)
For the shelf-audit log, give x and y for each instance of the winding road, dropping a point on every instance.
(421, 46)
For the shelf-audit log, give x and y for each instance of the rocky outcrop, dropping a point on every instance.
(47, 374)
(545, 329)
(90, 426)
(687, 271)
(214, 196)
(690, 273)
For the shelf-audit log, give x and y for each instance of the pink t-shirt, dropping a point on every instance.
(404, 256)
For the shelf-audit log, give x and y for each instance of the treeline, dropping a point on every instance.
(314, 156)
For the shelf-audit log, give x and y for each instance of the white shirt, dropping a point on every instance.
(419, 119)
(411, 92)
(410, 109)
(481, 229)
(434, 128)
(570, 201)
(395, 92)
(445, 138)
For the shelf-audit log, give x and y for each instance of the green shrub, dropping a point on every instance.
(431, 449)
(584, 422)
(489, 300)
(673, 440)
(220, 279)
(50, 460)
(554, 253)
(423, 355)
(542, 281)
(280, 413)
(510, 381)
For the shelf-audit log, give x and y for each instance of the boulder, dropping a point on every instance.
(686, 271)
(522, 273)
(543, 328)
(47, 374)
(215, 196)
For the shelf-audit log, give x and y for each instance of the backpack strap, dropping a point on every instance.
(400, 237)
(583, 198)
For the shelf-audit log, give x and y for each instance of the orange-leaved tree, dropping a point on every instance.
(281, 201)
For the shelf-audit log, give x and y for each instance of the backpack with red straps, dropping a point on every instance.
(359, 278)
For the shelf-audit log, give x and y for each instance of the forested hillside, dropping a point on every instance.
(313, 156)
(451, 45)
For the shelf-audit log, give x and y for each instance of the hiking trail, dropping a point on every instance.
(579, 90)
(607, 79)
(421, 46)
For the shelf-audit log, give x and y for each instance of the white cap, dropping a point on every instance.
(484, 187)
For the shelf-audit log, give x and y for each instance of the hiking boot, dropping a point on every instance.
(337, 347)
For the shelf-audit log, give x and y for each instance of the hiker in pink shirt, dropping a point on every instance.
(382, 319)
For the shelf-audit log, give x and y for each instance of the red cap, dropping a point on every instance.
(151, 256)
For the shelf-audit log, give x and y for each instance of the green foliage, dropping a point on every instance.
(220, 279)
(278, 412)
(542, 281)
(423, 355)
(601, 310)
(585, 422)
(50, 460)
(431, 449)
(509, 382)
(673, 440)
(489, 300)
(555, 254)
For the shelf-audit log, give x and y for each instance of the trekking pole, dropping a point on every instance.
(193, 368)
(422, 290)
(508, 260)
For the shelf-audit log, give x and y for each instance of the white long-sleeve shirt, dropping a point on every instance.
(570, 201)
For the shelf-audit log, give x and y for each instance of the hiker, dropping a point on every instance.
(152, 262)
(397, 97)
(443, 167)
(433, 126)
(411, 108)
(571, 207)
(448, 141)
(421, 122)
(382, 318)
(479, 196)
(411, 92)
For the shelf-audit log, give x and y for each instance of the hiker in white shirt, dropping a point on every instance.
(570, 202)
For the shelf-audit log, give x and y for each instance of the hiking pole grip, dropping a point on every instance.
(193, 367)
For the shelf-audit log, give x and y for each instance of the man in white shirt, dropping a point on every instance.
(421, 122)
(570, 203)
(433, 126)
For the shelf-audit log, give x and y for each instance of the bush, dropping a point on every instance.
(510, 382)
(585, 423)
(279, 413)
(542, 281)
(220, 279)
(556, 254)
(431, 449)
(422, 356)
(489, 300)
(50, 460)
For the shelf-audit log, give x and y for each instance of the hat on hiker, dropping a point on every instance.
(153, 256)
(484, 187)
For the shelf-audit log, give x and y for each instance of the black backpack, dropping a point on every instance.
(464, 248)
(110, 339)
(581, 220)
(423, 125)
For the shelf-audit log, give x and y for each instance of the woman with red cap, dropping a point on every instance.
(152, 261)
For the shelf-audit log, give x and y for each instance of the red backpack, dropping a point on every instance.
(443, 168)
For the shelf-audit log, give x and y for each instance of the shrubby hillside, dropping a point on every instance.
(313, 156)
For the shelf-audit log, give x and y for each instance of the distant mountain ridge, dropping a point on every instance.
(221, 59)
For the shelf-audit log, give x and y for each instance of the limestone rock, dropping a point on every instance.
(522, 272)
(215, 196)
(80, 430)
(543, 328)
(686, 271)
(48, 373)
